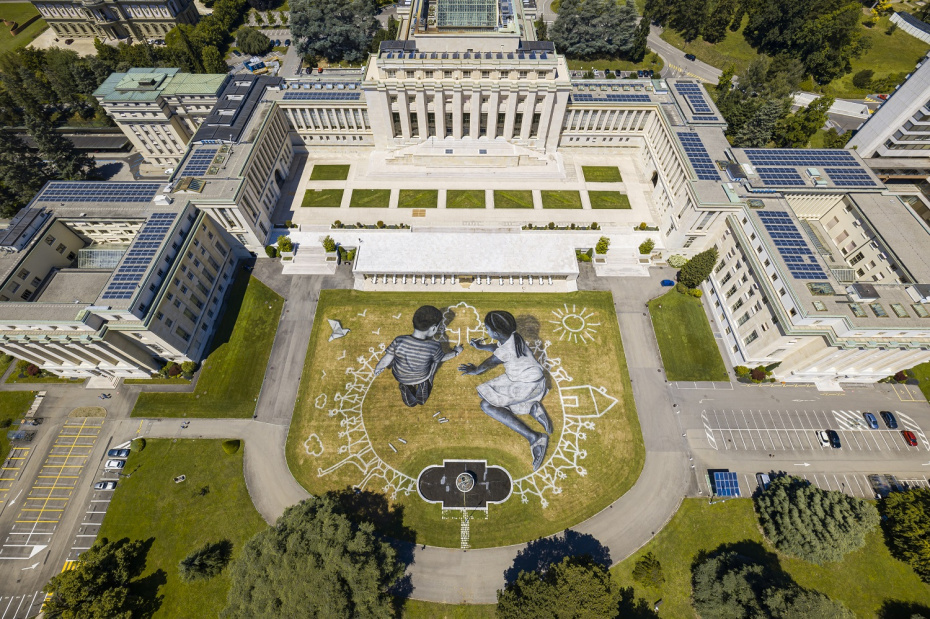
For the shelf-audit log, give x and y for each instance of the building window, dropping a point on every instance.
(23, 274)
(752, 337)
(61, 248)
(49, 240)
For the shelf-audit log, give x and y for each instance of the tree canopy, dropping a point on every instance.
(908, 528)
(252, 41)
(334, 29)
(698, 268)
(577, 587)
(796, 130)
(815, 525)
(595, 29)
(314, 562)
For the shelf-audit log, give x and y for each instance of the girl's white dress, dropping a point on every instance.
(522, 384)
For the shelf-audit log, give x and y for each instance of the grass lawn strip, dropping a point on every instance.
(233, 372)
(19, 12)
(329, 173)
(862, 581)
(465, 198)
(416, 609)
(156, 381)
(13, 405)
(418, 198)
(560, 199)
(601, 174)
(513, 199)
(689, 351)
(15, 378)
(370, 198)
(322, 198)
(614, 447)
(178, 520)
(609, 199)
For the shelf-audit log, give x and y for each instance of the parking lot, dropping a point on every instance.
(11, 470)
(94, 512)
(787, 430)
(853, 484)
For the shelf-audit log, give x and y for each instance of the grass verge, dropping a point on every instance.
(19, 12)
(513, 199)
(370, 198)
(560, 199)
(13, 405)
(415, 609)
(689, 351)
(465, 198)
(322, 198)
(16, 379)
(233, 372)
(156, 381)
(329, 173)
(601, 174)
(418, 198)
(179, 519)
(609, 199)
(733, 51)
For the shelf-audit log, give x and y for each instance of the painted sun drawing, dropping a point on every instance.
(573, 325)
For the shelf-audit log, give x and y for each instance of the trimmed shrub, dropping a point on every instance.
(863, 79)
(285, 244)
(758, 374)
(139, 444)
(741, 370)
(271, 251)
(676, 261)
(231, 446)
(603, 244)
(646, 247)
(32, 370)
(188, 368)
(329, 244)
(697, 293)
(901, 376)
(643, 226)
(681, 288)
(174, 370)
(594, 226)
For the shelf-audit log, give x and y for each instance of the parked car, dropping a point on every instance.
(115, 465)
(763, 480)
(890, 422)
(105, 485)
(834, 439)
(883, 97)
(287, 42)
(118, 453)
(870, 420)
(909, 438)
(823, 438)
(668, 282)
(236, 52)
(691, 57)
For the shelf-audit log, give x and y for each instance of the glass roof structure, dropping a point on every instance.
(466, 13)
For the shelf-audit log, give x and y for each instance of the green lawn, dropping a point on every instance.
(370, 198)
(560, 199)
(513, 199)
(149, 505)
(322, 198)
(686, 342)
(233, 372)
(609, 199)
(922, 374)
(465, 198)
(19, 12)
(733, 51)
(13, 405)
(156, 381)
(418, 198)
(863, 581)
(329, 173)
(415, 609)
(601, 174)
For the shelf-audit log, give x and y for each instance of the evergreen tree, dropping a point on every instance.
(640, 41)
(576, 588)
(688, 18)
(698, 268)
(205, 562)
(757, 131)
(720, 16)
(68, 163)
(213, 61)
(796, 130)
(334, 29)
(594, 28)
(908, 529)
(22, 174)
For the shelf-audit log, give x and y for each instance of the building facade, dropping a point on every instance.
(116, 19)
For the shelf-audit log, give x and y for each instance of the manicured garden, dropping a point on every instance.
(513, 199)
(24, 372)
(19, 12)
(609, 199)
(465, 198)
(601, 174)
(560, 199)
(418, 198)
(370, 198)
(329, 173)
(322, 198)
(232, 373)
(13, 405)
(211, 505)
(689, 351)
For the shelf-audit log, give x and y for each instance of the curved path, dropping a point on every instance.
(453, 575)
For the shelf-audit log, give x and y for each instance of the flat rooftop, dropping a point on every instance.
(904, 233)
(775, 169)
(73, 286)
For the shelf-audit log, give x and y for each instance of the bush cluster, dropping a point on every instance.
(329, 244)
(676, 261)
(603, 244)
(646, 247)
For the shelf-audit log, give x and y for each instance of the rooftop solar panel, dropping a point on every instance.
(198, 162)
(338, 95)
(726, 484)
(846, 177)
(800, 157)
(694, 95)
(794, 250)
(611, 98)
(95, 191)
(697, 154)
(780, 176)
(137, 259)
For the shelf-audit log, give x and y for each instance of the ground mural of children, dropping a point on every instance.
(519, 390)
(414, 359)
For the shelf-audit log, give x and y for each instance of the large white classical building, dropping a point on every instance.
(821, 264)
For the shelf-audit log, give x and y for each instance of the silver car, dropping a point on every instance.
(115, 464)
(105, 485)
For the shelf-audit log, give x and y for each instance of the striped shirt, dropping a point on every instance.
(415, 360)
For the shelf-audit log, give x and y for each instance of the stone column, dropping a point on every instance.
(402, 109)
(422, 125)
(510, 115)
(457, 113)
(475, 114)
(528, 108)
(493, 106)
(439, 111)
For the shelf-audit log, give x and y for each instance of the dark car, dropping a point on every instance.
(691, 57)
(668, 282)
(909, 438)
(236, 52)
(118, 453)
(639, 74)
(890, 422)
(834, 439)
(870, 420)
(287, 42)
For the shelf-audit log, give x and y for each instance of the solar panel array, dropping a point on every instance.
(801, 157)
(325, 95)
(139, 256)
(198, 162)
(844, 177)
(90, 191)
(582, 97)
(726, 484)
(697, 154)
(791, 245)
(695, 97)
(780, 176)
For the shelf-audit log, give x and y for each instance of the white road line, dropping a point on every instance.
(86, 535)
(865, 494)
(33, 600)
(772, 417)
(7, 607)
(16, 612)
(839, 486)
(748, 431)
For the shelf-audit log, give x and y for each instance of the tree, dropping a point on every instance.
(908, 528)
(314, 562)
(698, 268)
(22, 174)
(648, 571)
(252, 41)
(58, 150)
(812, 524)
(213, 61)
(688, 18)
(576, 588)
(264, 5)
(594, 28)
(640, 41)
(796, 130)
(542, 29)
(646, 246)
(719, 17)
(181, 38)
(833, 139)
(863, 79)
(334, 29)
(757, 131)
(99, 585)
(205, 562)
